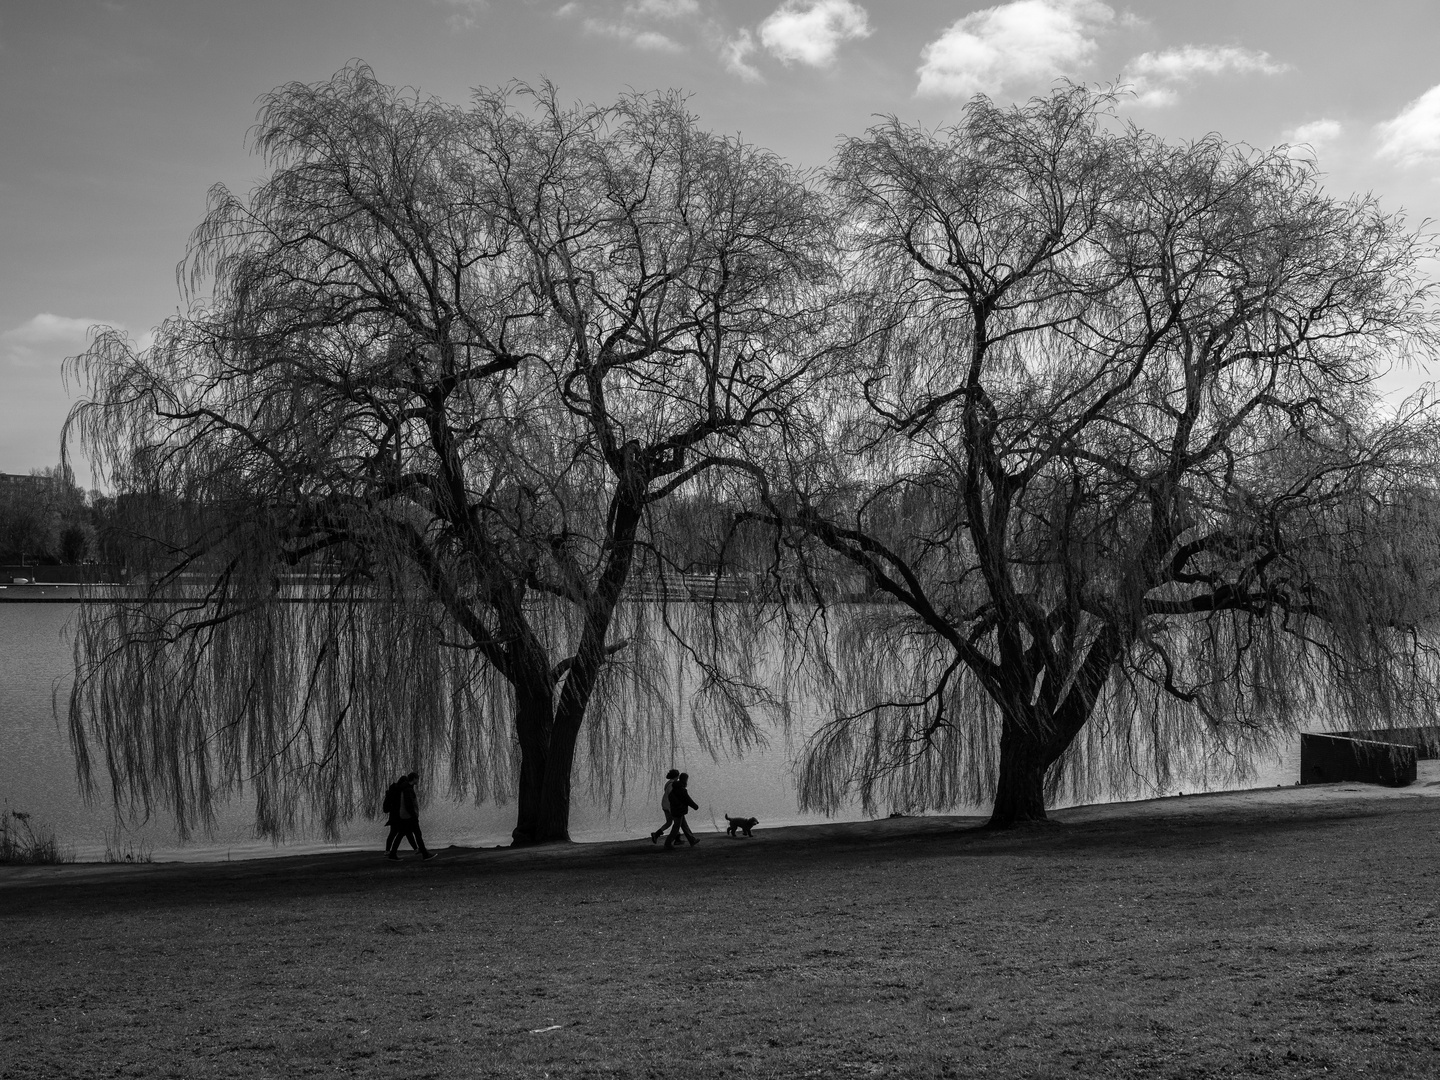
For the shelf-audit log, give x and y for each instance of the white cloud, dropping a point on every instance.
(662, 9)
(1158, 76)
(812, 31)
(1413, 136)
(735, 54)
(467, 13)
(1314, 136)
(45, 338)
(1022, 41)
(628, 22)
(1316, 131)
(652, 40)
(1191, 60)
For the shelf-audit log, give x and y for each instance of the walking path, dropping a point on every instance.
(1294, 798)
(1426, 786)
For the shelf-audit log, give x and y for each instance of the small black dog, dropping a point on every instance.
(744, 824)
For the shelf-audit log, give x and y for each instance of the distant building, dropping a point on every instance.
(33, 481)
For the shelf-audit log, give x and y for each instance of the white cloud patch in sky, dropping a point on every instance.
(651, 40)
(663, 9)
(466, 14)
(1307, 140)
(1158, 76)
(629, 23)
(1023, 41)
(45, 339)
(735, 54)
(812, 31)
(1316, 133)
(1413, 136)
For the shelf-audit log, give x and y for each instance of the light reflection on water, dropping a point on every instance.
(37, 775)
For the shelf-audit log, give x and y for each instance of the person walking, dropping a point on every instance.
(407, 816)
(665, 805)
(680, 805)
(391, 806)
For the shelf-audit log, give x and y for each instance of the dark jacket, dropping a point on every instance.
(409, 805)
(680, 800)
(401, 804)
(391, 805)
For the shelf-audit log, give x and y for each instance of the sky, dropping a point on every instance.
(117, 117)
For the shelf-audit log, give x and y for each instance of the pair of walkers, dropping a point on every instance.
(675, 803)
(404, 821)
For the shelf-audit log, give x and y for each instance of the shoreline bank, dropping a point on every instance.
(1174, 809)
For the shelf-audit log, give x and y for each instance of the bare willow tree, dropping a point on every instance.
(1111, 480)
(393, 480)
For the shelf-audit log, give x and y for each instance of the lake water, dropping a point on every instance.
(37, 776)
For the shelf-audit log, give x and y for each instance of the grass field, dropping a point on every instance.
(1286, 939)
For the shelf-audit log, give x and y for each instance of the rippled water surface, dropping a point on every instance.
(37, 775)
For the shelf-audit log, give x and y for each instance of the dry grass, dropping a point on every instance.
(122, 849)
(1271, 941)
(21, 843)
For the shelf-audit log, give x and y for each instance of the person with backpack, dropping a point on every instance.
(665, 805)
(404, 821)
(680, 805)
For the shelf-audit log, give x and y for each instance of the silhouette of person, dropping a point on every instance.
(680, 805)
(665, 805)
(408, 816)
(391, 806)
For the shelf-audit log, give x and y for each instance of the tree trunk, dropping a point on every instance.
(545, 788)
(553, 826)
(1020, 789)
(533, 721)
(1028, 747)
(552, 823)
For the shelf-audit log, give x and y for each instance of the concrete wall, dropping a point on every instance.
(1327, 759)
(1426, 740)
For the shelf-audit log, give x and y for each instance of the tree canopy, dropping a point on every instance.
(1111, 460)
(450, 364)
(1058, 444)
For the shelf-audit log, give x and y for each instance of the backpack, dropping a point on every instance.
(391, 805)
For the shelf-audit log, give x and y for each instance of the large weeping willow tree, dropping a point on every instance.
(389, 484)
(1112, 483)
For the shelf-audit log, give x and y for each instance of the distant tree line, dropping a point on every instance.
(46, 519)
(1050, 452)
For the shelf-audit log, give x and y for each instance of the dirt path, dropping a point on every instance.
(1296, 798)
